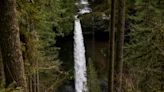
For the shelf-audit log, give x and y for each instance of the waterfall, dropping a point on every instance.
(79, 58)
(79, 51)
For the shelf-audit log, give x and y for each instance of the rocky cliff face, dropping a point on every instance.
(99, 19)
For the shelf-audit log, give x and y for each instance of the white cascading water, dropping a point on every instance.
(79, 52)
(79, 58)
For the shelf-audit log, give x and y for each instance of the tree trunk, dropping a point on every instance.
(120, 44)
(31, 57)
(93, 42)
(111, 48)
(37, 78)
(10, 45)
(1, 70)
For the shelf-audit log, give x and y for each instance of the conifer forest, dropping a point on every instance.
(81, 45)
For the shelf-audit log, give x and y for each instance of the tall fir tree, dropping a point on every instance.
(10, 45)
(144, 52)
(119, 45)
(111, 48)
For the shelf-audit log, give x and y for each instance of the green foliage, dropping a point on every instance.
(144, 53)
(41, 21)
(145, 57)
(10, 88)
(93, 82)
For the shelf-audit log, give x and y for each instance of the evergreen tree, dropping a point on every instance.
(144, 52)
(10, 45)
(40, 23)
(93, 82)
(119, 44)
(111, 48)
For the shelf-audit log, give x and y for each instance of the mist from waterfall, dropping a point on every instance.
(79, 51)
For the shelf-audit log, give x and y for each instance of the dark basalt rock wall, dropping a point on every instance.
(97, 20)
